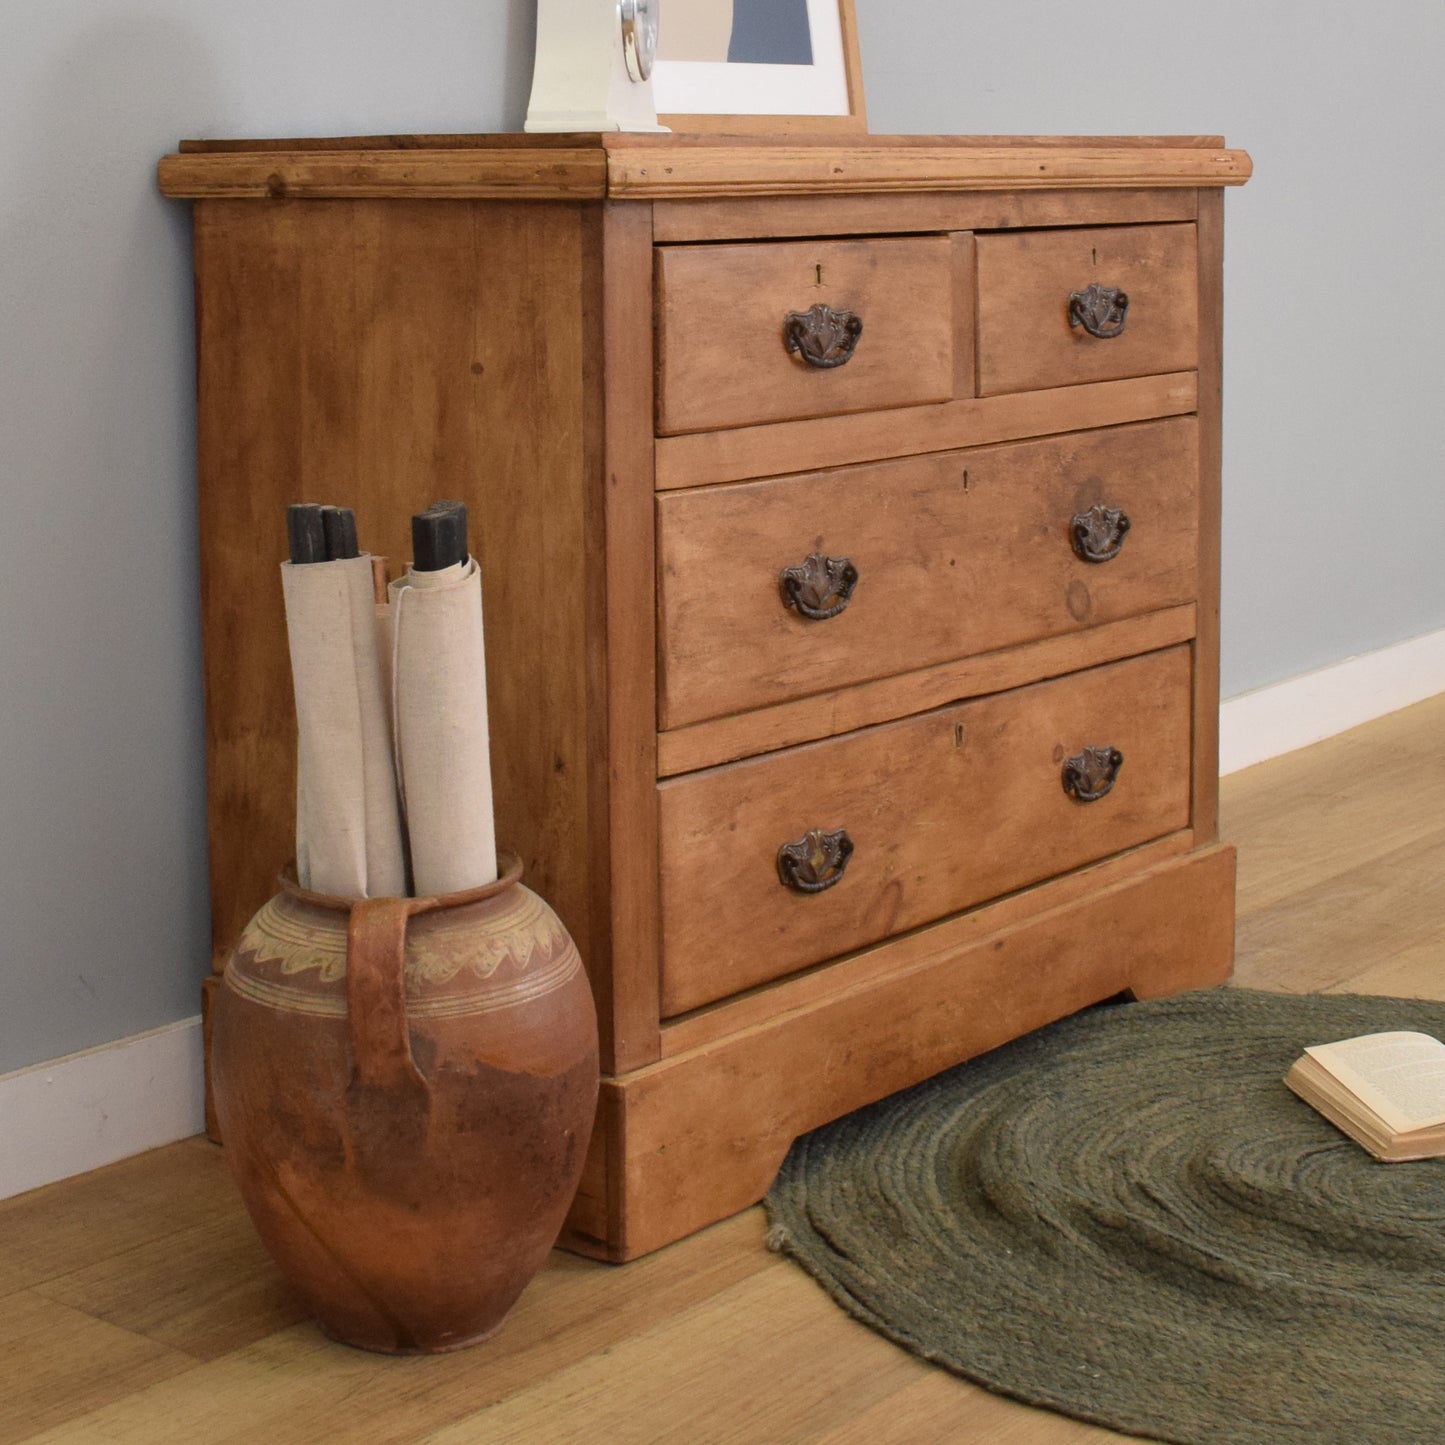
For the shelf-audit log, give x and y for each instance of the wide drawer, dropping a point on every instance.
(1033, 334)
(729, 356)
(939, 556)
(941, 812)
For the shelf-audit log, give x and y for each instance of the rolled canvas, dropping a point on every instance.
(439, 712)
(348, 817)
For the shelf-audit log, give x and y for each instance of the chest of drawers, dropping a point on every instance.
(848, 520)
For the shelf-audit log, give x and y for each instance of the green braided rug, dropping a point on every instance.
(1128, 1218)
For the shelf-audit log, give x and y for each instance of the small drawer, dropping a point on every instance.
(774, 590)
(782, 861)
(1056, 308)
(769, 332)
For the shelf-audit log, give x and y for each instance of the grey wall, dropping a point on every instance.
(1333, 444)
(104, 925)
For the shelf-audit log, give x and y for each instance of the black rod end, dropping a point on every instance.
(304, 532)
(339, 526)
(439, 537)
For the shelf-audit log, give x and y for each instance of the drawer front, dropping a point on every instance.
(723, 333)
(950, 555)
(1031, 336)
(942, 811)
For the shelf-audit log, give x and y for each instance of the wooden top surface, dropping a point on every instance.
(684, 167)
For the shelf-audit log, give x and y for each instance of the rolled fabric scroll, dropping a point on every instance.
(439, 712)
(348, 816)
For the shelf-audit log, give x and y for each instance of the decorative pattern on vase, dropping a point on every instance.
(278, 935)
(524, 953)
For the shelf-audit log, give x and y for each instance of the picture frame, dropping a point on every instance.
(774, 98)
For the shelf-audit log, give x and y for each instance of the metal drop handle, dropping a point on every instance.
(1100, 310)
(1098, 534)
(1089, 775)
(816, 861)
(820, 587)
(823, 337)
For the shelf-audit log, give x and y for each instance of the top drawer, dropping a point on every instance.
(1029, 335)
(724, 356)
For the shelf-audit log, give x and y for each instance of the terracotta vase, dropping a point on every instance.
(405, 1089)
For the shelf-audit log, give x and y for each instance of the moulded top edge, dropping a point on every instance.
(683, 167)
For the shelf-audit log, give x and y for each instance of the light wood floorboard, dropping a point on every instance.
(136, 1306)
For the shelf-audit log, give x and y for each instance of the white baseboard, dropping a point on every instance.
(1317, 705)
(77, 1113)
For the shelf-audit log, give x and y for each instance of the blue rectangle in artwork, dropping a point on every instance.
(771, 32)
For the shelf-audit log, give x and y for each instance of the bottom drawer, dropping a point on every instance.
(782, 861)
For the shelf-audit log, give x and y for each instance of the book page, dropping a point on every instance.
(1401, 1076)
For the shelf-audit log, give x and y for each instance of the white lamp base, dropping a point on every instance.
(579, 79)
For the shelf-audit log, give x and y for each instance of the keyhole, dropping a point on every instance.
(966, 483)
(820, 273)
(1096, 255)
(958, 735)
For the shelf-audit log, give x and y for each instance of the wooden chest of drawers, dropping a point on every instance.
(848, 519)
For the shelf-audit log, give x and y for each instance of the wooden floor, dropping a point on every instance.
(136, 1306)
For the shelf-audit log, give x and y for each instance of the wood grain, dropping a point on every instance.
(1025, 340)
(295, 1387)
(826, 714)
(853, 65)
(167, 1291)
(596, 1397)
(726, 1124)
(630, 680)
(1211, 386)
(39, 1385)
(932, 1406)
(664, 172)
(1339, 883)
(781, 216)
(373, 354)
(522, 174)
(812, 986)
(957, 553)
(638, 168)
(116, 1210)
(721, 359)
(945, 810)
(798, 446)
(965, 310)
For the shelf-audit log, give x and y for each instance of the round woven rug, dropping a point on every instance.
(1128, 1218)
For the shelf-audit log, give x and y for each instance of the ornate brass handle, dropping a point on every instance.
(1098, 534)
(816, 861)
(1090, 774)
(823, 337)
(821, 587)
(1100, 310)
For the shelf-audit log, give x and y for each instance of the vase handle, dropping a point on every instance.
(376, 997)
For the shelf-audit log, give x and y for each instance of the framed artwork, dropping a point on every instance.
(753, 66)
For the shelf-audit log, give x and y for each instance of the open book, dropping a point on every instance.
(1386, 1091)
